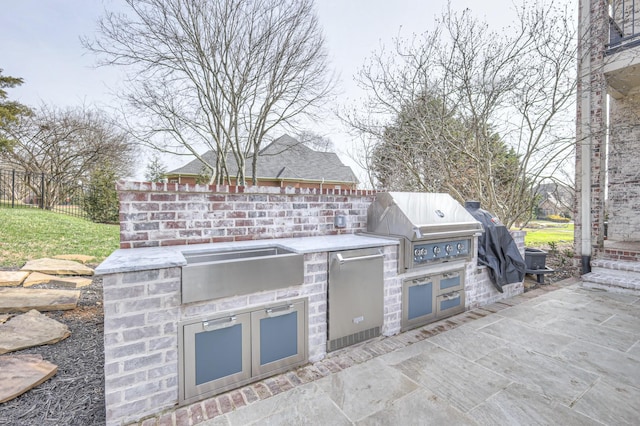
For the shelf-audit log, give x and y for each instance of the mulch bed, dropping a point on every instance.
(561, 263)
(74, 396)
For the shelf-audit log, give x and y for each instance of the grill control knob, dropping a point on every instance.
(436, 250)
(448, 248)
(460, 246)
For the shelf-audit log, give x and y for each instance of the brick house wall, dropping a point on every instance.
(623, 202)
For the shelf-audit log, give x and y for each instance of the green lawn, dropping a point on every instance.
(32, 233)
(541, 233)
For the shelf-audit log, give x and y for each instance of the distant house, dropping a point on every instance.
(285, 162)
(554, 199)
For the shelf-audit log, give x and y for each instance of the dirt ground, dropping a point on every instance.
(74, 396)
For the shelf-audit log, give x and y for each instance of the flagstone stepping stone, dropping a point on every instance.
(57, 281)
(12, 278)
(71, 282)
(82, 258)
(35, 278)
(57, 267)
(30, 329)
(42, 299)
(19, 373)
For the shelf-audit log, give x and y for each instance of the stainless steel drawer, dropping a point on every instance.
(450, 281)
(450, 304)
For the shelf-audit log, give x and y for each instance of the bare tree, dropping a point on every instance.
(479, 114)
(217, 74)
(315, 141)
(66, 145)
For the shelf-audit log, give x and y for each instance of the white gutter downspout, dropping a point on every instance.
(586, 134)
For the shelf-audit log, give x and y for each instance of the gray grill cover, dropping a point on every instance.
(497, 250)
(419, 216)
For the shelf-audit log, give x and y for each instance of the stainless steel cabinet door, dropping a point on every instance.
(418, 301)
(279, 337)
(356, 292)
(216, 354)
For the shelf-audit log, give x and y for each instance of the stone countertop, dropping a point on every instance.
(148, 258)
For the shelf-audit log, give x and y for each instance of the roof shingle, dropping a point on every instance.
(285, 158)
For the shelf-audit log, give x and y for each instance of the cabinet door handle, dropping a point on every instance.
(279, 310)
(219, 323)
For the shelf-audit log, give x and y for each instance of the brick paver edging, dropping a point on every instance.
(334, 362)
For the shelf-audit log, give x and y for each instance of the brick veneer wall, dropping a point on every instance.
(165, 214)
(624, 173)
(591, 123)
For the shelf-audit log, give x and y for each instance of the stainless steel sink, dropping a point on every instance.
(216, 274)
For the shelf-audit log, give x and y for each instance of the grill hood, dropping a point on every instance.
(420, 216)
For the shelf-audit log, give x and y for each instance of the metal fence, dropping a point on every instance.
(20, 189)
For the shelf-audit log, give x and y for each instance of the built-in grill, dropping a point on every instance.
(433, 227)
(436, 236)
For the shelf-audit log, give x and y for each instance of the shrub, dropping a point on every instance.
(558, 218)
(101, 198)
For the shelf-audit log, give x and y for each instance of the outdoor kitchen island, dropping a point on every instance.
(301, 247)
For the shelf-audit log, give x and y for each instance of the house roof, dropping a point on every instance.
(285, 158)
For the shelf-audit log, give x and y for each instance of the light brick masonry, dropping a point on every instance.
(165, 214)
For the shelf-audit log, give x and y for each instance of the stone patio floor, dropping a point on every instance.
(557, 355)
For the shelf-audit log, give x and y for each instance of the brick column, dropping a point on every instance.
(591, 130)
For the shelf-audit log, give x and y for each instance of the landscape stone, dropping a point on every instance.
(4, 318)
(57, 267)
(19, 373)
(71, 282)
(35, 278)
(24, 299)
(12, 278)
(82, 258)
(30, 329)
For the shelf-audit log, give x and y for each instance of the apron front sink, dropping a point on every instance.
(216, 274)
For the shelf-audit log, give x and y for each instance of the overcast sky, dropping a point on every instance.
(39, 41)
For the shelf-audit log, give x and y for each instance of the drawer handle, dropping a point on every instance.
(451, 296)
(342, 260)
(280, 310)
(217, 324)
